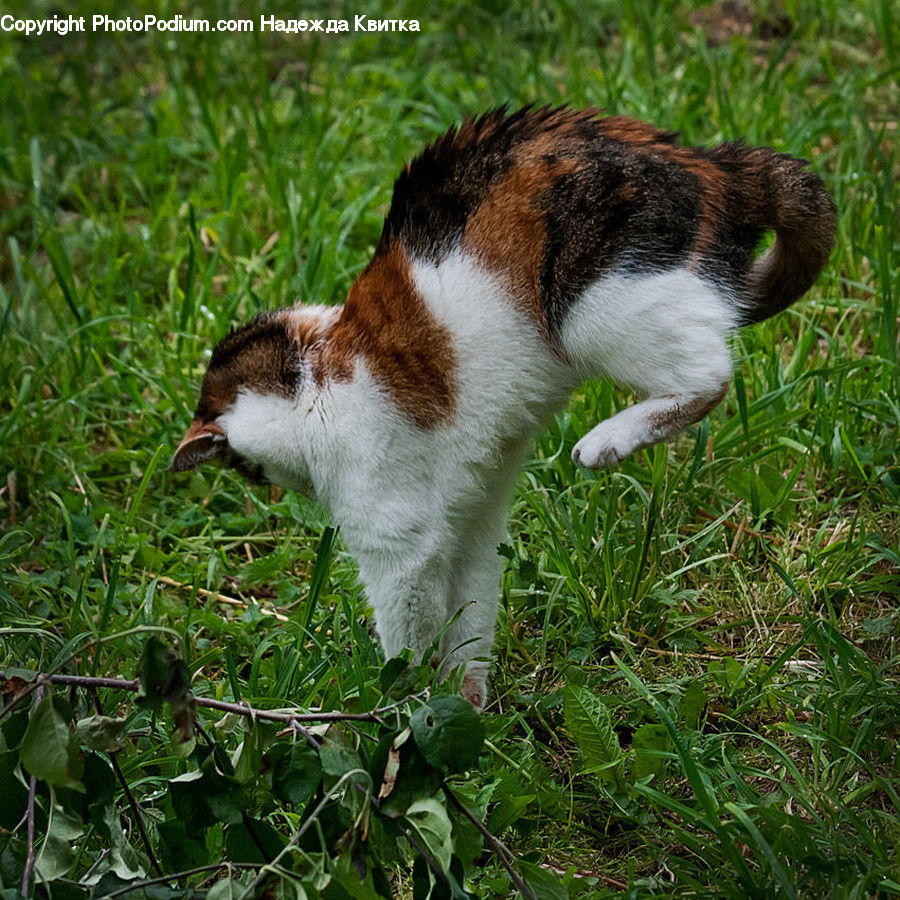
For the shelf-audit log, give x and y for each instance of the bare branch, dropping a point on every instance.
(498, 848)
(32, 787)
(135, 809)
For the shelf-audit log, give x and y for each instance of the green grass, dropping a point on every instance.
(731, 599)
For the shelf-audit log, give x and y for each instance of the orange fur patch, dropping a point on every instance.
(508, 231)
(385, 321)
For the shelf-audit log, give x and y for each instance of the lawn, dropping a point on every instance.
(697, 683)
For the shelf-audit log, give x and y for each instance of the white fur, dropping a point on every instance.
(423, 511)
(665, 335)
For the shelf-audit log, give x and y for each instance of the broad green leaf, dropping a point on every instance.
(226, 889)
(415, 778)
(467, 840)
(188, 794)
(692, 703)
(123, 859)
(429, 817)
(178, 851)
(510, 799)
(247, 760)
(252, 841)
(391, 671)
(14, 795)
(449, 733)
(337, 754)
(589, 723)
(278, 887)
(55, 856)
(165, 678)
(49, 751)
(346, 884)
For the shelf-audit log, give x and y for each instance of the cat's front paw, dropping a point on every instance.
(474, 689)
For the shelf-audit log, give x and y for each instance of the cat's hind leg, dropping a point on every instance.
(665, 335)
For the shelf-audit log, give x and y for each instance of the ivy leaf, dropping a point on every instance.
(296, 771)
(430, 820)
(589, 723)
(449, 733)
(49, 751)
(101, 733)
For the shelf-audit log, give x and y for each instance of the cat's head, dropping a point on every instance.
(246, 416)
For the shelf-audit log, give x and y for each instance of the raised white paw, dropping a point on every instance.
(604, 446)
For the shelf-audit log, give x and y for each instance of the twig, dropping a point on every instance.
(741, 528)
(11, 489)
(32, 788)
(241, 709)
(606, 879)
(89, 681)
(715, 657)
(177, 876)
(685, 654)
(430, 861)
(292, 718)
(218, 596)
(136, 812)
(97, 863)
(501, 851)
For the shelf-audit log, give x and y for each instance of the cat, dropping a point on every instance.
(522, 254)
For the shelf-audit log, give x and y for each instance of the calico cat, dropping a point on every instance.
(522, 254)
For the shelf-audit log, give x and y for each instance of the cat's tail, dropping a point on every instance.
(779, 192)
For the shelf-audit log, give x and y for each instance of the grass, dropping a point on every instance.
(731, 599)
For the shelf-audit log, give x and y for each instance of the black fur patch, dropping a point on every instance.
(442, 188)
(619, 210)
(260, 356)
(628, 198)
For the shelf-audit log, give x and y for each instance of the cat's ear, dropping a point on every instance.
(203, 442)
